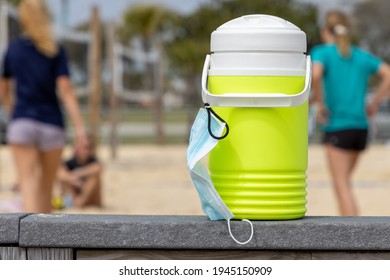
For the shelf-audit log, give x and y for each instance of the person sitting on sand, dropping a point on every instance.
(80, 178)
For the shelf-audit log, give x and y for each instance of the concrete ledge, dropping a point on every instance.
(197, 232)
(9, 228)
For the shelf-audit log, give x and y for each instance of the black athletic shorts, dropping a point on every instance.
(349, 139)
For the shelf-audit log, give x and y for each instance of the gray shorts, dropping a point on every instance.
(33, 133)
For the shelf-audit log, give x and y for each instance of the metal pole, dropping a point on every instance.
(159, 91)
(113, 98)
(95, 76)
(118, 68)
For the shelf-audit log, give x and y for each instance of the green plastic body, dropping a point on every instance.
(259, 170)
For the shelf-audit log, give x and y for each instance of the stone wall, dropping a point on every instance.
(32, 237)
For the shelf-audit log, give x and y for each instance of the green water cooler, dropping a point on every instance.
(257, 78)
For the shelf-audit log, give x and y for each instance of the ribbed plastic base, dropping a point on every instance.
(262, 196)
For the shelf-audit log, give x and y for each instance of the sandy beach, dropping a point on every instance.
(154, 180)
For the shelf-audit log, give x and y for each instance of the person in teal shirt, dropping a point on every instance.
(345, 86)
(341, 74)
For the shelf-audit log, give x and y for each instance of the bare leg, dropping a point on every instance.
(26, 161)
(341, 164)
(68, 189)
(96, 198)
(50, 162)
(90, 194)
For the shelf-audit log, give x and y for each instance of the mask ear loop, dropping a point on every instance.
(239, 242)
(209, 112)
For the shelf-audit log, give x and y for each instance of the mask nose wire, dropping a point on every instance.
(239, 242)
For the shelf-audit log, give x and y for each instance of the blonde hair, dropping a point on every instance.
(338, 25)
(35, 20)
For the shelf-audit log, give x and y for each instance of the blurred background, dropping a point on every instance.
(137, 65)
(150, 53)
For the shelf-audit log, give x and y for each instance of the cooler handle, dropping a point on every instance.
(255, 99)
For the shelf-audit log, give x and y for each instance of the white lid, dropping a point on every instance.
(258, 33)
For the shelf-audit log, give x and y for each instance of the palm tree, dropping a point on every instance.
(151, 24)
(188, 50)
(148, 23)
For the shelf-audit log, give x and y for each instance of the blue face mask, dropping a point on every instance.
(201, 143)
(205, 134)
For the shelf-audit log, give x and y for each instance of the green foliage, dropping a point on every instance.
(372, 28)
(188, 36)
(14, 2)
(150, 24)
(146, 21)
(188, 50)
